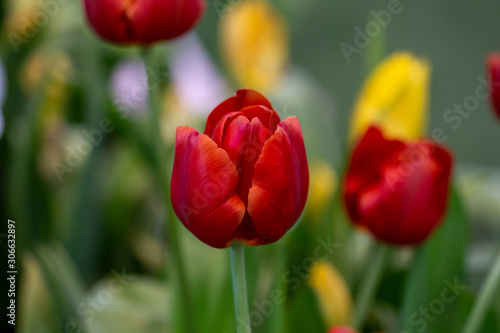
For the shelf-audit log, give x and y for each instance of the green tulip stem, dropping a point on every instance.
(369, 284)
(175, 265)
(489, 292)
(242, 314)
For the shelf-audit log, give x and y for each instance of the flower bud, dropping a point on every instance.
(245, 179)
(397, 190)
(142, 22)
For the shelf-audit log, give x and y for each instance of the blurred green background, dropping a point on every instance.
(107, 215)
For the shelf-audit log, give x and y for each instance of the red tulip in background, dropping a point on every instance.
(245, 179)
(342, 329)
(494, 72)
(397, 190)
(142, 21)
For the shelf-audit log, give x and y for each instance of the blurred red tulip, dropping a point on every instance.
(245, 179)
(397, 190)
(494, 72)
(342, 329)
(142, 21)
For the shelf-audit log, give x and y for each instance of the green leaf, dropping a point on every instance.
(491, 322)
(63, 282)
(127, 304)
(435, 283)
(35, 311)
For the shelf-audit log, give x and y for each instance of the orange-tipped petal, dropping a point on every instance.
(280, 184)
(203, 189)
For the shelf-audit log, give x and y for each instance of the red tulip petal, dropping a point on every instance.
(494, 73)
(234, 139)
(242, 99)
(266, 116)
(108, 19)
(410, 198)
(218, 132)
(204, 182)
(160, 20)
(342, 329)
(243, 141)
(142, 22)
(280, 184)
(373, 150)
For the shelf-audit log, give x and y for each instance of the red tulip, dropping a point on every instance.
(397, 190)
(494, 72)
(142, 21)
(245, 179)
(342, 329)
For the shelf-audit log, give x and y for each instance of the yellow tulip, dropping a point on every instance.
(333, 294)
(322, 184)
(255, 45)
(19, 18)
(395, 98)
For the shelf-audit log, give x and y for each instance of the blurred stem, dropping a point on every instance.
(369, 284)
(242, 315)
(489, 292)
(176, 269)
(279, 262)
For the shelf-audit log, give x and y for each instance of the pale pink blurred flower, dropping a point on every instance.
(129, 86)
(197, 82)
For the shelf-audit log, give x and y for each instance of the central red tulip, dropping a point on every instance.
(494, 72)
(142, 21)
(397, 190)
(245, 179)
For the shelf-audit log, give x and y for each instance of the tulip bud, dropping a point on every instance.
(397, 190)
(394, 98)
(322, 187)
(142, 22)
(494, 72)
(332, 293)
(254, 40)
(245, 179)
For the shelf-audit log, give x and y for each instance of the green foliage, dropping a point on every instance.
(436, 278)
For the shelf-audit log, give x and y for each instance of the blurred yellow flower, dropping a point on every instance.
(20, 16)
(333, 294)
(255, 45)
(56, 66)
(394, 97)
(322, 185)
